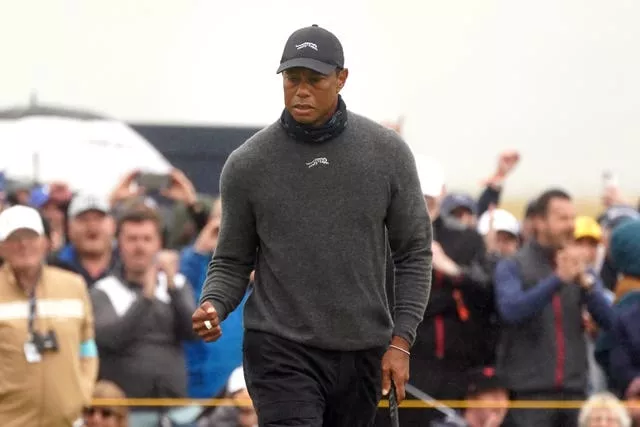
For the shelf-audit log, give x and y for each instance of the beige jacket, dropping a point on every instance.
(52, 392)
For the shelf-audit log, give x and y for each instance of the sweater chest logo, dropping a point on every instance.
(317, 161)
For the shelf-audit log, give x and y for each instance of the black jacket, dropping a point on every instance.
(457, 325)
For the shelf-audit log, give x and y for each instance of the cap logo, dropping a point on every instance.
(307, 44)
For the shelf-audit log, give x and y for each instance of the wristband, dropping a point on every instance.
(408, 353)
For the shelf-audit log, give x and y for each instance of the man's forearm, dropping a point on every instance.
(225, 285)
(228, 273)
(413, 285)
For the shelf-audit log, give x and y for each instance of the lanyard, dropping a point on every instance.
(32, 312)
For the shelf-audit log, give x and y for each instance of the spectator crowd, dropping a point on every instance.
(541, 308)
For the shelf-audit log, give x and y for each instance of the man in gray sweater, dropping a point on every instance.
(312, 202)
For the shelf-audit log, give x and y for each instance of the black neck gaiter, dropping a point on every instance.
(306, 133)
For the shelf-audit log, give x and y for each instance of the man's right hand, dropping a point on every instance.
(204, 316)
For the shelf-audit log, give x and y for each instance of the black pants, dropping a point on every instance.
(295, 385)
(544, 417)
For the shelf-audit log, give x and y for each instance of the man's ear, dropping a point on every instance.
(342, 77)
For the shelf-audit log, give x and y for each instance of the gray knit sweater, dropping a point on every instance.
(316, 213)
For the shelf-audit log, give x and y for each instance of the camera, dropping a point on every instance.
(45, 342)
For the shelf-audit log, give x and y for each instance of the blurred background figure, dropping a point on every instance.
(242, 414)
(617, 351)
(143, 315)
(604, 410)
(106, 415)
(540, 293)
(52, 200)
(588, 236)
(457, 332)
(588, 239)
(90, 250)
(46, 330)
(501, 232)
(460, 207)
(624, 356)
(609, 221)
(485, 387)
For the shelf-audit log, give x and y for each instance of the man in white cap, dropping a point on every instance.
(49, 356)
(91, 232)
(501, 231)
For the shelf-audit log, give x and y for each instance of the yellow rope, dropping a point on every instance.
(409, 403)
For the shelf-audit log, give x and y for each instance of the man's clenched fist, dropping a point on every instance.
(205, 322)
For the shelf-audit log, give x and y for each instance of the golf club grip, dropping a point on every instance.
(393, 406)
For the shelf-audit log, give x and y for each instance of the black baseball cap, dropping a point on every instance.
(314, 48)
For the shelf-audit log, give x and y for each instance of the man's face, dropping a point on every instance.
(92, 232)
(139, 243)
(589, 249)
(480, 417)
(310, 97)
(24, 249)
(464, 215)
(603, 417)
(102, 417)
(506, 243)
(556, 226)
(54, 215)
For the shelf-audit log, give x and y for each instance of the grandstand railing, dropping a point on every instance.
(409, 403)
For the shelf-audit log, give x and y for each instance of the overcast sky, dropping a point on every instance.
(557, 79)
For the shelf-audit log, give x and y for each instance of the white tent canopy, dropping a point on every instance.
(89, 154)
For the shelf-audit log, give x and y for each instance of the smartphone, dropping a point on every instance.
(153, 181)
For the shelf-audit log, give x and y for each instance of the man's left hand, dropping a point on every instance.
(395, 366)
